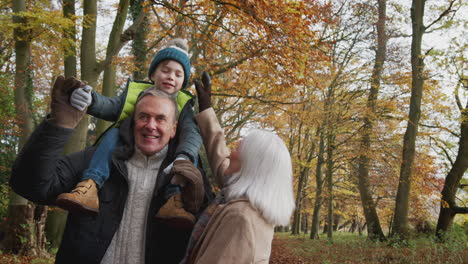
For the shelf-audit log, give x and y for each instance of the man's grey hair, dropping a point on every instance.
(153, 91)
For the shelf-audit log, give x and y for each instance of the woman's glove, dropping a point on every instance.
(193, 190)
(204, 92)
(81, 97)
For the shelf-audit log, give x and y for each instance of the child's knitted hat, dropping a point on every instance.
(175, 50)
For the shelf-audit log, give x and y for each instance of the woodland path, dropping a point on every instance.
(280, 254)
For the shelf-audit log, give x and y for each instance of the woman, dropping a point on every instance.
(257, 195)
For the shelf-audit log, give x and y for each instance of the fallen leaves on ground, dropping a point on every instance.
(357, 250)
(281, 254)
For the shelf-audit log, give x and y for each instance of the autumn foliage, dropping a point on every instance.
(300, 68)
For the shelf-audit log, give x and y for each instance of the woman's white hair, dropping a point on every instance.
(265, 177)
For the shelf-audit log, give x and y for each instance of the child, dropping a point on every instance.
(170, 72)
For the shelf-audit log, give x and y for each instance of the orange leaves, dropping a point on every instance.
(282, 253)
(444, 204)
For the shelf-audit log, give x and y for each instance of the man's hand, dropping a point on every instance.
(62, 113)
(81, 98)
(204, 91)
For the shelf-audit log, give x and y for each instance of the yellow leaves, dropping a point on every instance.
(347, 192)
(444, 204)
(303, 164)
(38, 21)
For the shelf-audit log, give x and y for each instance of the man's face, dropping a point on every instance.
(168, 76)
(155, 124)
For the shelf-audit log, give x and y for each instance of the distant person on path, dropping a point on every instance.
(257, 193)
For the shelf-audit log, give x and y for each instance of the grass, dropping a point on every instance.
(15, 259)
(351, 248)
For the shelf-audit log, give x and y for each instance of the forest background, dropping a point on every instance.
(371, 98)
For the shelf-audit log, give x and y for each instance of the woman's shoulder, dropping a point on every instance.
(241, 207)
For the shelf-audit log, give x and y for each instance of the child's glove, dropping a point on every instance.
(81, 97)
(169, 167)
(204, 92)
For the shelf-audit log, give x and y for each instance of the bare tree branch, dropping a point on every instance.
(457, 97)
(459, 210)
(444, 13)
(447, 154)
(125, 37)
(257, 98)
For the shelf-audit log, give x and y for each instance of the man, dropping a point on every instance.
(124, 231)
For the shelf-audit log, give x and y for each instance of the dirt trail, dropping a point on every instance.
(281, 255)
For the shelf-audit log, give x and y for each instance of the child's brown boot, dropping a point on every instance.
(174, 214)
(82, 199)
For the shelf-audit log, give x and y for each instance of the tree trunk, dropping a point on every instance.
(299, 198)
(279, 229)
(400, 222)
(139, 46)
(54, 227)
(390, 224)
(361, 228)
(353, 226)
(70, 37)
(108, 86)
(449, 208)
(297, 209)
(78, 140)
(89, 71)
(109, 89)
(336, 221)
(23, 81)
(314, 229)
(302, 183)
(24, 233)
(303, 175)
(329, 177)
(373, 228)
(305, 223)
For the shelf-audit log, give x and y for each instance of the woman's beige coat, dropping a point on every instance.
(237, 232)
